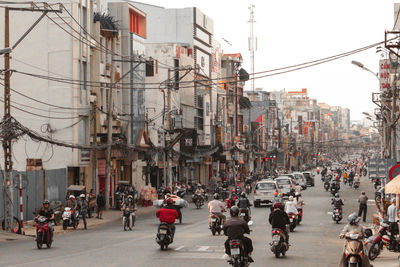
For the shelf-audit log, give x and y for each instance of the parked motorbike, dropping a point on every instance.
(197, 200)
(337, 215)
(278, 244)
(215, 224)
(383, 239)
(164, 237)
(70, 218)
(353, 251)
(128, 219)
(377, 183)
(43, 235)
(293, 221)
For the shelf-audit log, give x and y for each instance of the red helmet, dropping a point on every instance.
(277, 205)
(168, 201)
(233, 191)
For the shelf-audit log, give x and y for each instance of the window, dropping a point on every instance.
(149, 68)
(137, 23)
(84, 18)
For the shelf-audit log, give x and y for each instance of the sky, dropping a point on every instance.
(291, 32)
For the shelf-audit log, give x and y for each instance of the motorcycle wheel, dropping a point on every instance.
(162, 246)
(374, 251)
(213, 230)
(76, 225)
(125, 223)
(49, 244)
(198, 205)
(64, 225)
(180, 217)
(39, 240)
(277, 254)
(353, 264)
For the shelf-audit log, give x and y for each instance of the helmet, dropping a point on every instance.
(168, 201)
(72, 197)
(277, 205)
(46, 202)
(243, 194)
(82, 196)
(291, 198)
(336, 195)
(353, 218)
(234, 211)
(216, 196)
(275, 193)
(233, 190)
(130, 197)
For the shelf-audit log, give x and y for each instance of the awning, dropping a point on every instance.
(393, 187)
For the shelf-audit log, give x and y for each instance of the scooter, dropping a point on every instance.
(244, 214)
(248, 189)
(197, 201)
(278, 244)
(383, 239)
(377, 183)
(356, 184)
(353, 251)
(326, 185)
(70, 218)
(215, 224)
(128, 218)
(238, 259)
(337, 215)
(43, 234)
(293, 221)
(164, 237)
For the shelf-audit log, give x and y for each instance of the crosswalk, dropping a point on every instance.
(197, 252)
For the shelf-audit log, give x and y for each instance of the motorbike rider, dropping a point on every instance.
(45, 211)
(244, 203)
(235, 228)
(291, 206)
(337, 202)
(299, 201)
(353, 226)
(217, 208)
(351, 177)
(280, 219)
(200, 192)
(233, 198)
(129, 203)
(168, 214)
(72, 203)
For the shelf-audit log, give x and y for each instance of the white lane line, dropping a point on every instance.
(179, 248)
(203, 248)
(371, 200)
(330, 212)
(216, 256)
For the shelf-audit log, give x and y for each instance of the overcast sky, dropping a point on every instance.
(297, 31)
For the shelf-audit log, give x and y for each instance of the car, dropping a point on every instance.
(299, 178)
(264, 192)
(309, 178)
(285, 184)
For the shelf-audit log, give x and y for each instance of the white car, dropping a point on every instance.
(264, 192)
(284, 184)
(299, 178)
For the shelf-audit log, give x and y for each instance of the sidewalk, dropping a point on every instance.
(387, 259)
(109, 216)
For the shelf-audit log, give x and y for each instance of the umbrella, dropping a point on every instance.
(393, 187)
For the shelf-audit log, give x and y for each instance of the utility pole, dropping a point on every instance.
(252, 44)
(94, 150)
(109, 128)
(167, 160)
(9, 187)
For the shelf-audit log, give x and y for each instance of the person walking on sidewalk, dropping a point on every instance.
(362, 210)
(391, 213)
(84, 209)
(101, 203)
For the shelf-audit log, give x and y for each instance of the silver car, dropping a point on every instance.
(284, 184)
(300, 179)
(264, 192)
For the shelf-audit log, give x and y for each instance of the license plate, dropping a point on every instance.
(291, 220)
(213, 220)
(242, 214)
(163, 231)
(276, 238)
(235, 251)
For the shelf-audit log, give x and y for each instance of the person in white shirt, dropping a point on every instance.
(291, 206)
(299, 201)
(217, 208)
(391, 213)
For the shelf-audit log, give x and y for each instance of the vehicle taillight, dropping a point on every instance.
(276, 232)
(234, 243)
(255, 192)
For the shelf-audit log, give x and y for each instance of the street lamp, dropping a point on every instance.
(360, 65)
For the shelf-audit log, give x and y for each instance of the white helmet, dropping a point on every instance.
(72, 196)
(82, 196)
(291, 198)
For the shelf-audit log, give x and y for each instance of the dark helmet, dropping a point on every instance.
(216, 196)
(46, 202)
(243, 194)
(277, 205)
(234, 211)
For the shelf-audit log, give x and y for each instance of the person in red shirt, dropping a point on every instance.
(168, 214)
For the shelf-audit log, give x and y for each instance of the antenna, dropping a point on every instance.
(252, 44)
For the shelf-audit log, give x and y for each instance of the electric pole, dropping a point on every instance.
(94, 150)
(252, 44)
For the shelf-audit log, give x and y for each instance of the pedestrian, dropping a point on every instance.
(391, 213)
(363, 199)
(101, 203)
(84, 209)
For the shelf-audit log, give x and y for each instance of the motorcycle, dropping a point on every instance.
(215, 224)
(278, 244)
(164, 237)
(180, 192)
(383, 239)
(128, 218)
(364, 172)
(248, 189)
(377, 183)
(160, 192)
(353, 251)
(299, 215)
(293, 221)
(244, 214)
(239, 259)
(197, 200)
(334, 189)
(326, 185)
(70, 218)
(337, 215)
(43, 235)
(356, 184)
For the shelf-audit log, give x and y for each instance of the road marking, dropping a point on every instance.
(203, 248)
(330, 212)
(216, 256)
(179, 248)
(371, 200)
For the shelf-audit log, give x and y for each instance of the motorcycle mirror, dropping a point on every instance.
(250, 223)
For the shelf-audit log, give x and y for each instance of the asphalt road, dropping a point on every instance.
(314, 243)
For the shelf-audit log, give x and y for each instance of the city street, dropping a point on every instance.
(314, 243)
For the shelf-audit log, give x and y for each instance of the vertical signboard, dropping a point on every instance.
(384, 77)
